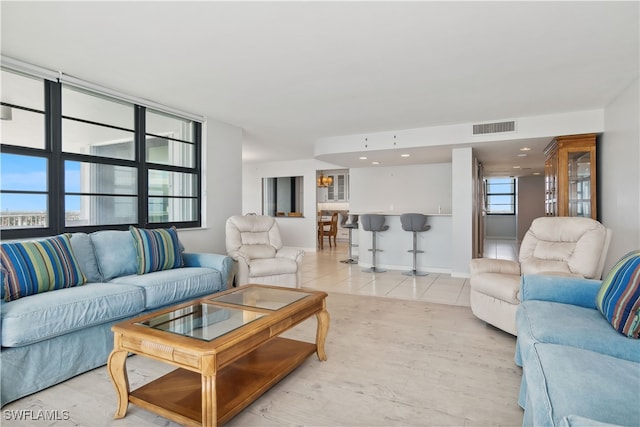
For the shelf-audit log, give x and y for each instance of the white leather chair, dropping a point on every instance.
(254, 243)
(569, 246)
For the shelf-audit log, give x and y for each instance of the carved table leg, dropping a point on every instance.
(118, 373)
(323, 329)
(209, 404)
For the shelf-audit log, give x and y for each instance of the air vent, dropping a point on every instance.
(494, 128)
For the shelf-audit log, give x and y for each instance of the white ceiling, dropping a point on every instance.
(289, 73)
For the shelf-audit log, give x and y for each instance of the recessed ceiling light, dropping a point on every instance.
(536, 173)
(516, 167)
(363, 158)
(521, 155)
(405, 155)
(525, 149)
(375, 163)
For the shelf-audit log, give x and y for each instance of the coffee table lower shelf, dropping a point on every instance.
(178, 394)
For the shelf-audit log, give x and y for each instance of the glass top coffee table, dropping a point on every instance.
(227, 349)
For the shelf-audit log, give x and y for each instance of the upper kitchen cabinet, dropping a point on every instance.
(570, 176)
(336, 185)
(338, 190)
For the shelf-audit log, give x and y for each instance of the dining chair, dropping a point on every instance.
(328, 229)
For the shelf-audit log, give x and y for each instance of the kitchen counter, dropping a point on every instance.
(392, 213)
(395, 242)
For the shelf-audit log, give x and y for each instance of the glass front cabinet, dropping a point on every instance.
(570, 176)
(338, 190)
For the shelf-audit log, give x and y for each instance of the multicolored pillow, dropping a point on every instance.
(157, 249)
(619, 296)
(32, 267)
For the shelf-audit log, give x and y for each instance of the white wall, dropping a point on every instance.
(221, 187)
(371, 189)
(500, 226)
(530, 202)
(529, 205)
(462, 211)
(375, 189)
(298, 232)
(619, 175)
(550, 125)
(415, 188)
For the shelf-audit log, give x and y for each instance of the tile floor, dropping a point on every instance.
(501, 249)
(323, 270)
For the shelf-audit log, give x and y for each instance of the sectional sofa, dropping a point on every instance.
(56, 323)
(579, 349)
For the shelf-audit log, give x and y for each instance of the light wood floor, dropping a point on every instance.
(392, 361)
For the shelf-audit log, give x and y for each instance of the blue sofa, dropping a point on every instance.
(577, 370)
(52, 336)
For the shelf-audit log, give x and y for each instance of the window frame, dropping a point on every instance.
(56, 158)
(512, 194)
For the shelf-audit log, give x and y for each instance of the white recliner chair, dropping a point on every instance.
(254, 243)
(569, 246)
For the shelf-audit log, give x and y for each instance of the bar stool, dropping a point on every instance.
(373, 223)
(415, 223)
(351, 224)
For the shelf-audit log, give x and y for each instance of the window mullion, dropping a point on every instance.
(53, 139)
(92, 170)
(197, 127)
(143, 170)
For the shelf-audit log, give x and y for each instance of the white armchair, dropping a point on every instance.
(254, 243)
(569, 246)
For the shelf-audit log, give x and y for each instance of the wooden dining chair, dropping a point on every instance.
(328, 229)
(333, 228)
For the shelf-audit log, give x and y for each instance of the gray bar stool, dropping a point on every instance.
(415, 223)
(351, 224)
(373, 223)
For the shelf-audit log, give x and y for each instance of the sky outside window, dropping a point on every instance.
(29, 174)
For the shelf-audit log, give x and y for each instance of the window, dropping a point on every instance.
(76, 160)
(282, 196)
(500, 196)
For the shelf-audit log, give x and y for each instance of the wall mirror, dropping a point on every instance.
(282, 196)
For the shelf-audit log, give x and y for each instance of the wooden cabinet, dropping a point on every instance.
(570, 176)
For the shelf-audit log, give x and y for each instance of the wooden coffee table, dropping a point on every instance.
(227, 349)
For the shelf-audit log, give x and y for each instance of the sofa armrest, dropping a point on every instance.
(489, 265)
(240, 256)
(291, 253)
(562, 289)
(222, 263)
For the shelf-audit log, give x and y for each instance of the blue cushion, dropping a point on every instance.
(115, 253)
(171, 286)
(32, 267)
(567, 290)
(619, 296)
(563, 381)
(156, 249)
(83, 250)
(50, 314)
(556, 323)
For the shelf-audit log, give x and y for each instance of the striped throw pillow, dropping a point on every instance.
(619, 296)
(32, 267)
(157, 249)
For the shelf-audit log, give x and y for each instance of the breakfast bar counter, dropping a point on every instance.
(395, 244)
